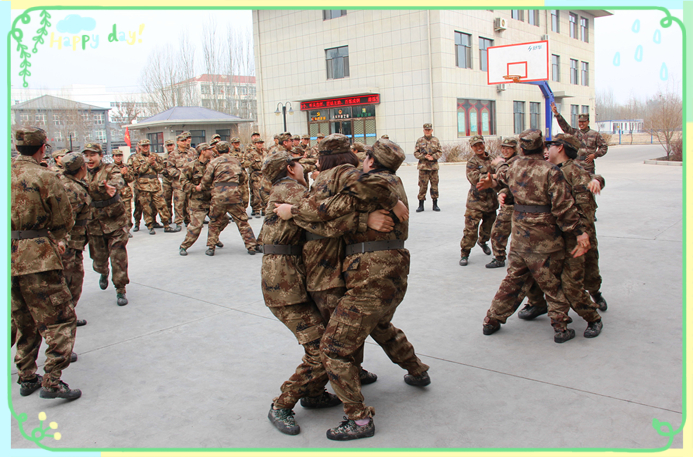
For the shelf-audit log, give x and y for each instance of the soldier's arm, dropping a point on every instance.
(350, 223)
(116, 178)
(602, 147)
(473, 172)
(436, 149)
(564, 125)
(207, 179)
(563, 205)
(185, 178)
(173, 172)
(62, 219)
(418, 152)
(158, 166)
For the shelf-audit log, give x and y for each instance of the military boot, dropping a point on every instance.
(151, 231)
(80, 322)
(496, 263)
(219, 244)
(210, 251)
(61, 391)
(103, 282)
(136, 228)
(491, 326)
(599, 300)
(485, 248)
(435, 205)
(464, 261)
(420, 208)
(350, 430)
(324, 400)
(284, 420)
(561, 336)
(367, 377)
(121, 299)
(593, 329)
(183, 251)
(420, 380)
(73, 357)
(29, 387)
(530, 312)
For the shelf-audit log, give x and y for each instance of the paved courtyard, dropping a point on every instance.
(195, 359)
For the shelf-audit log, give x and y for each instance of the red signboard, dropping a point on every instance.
(345, 101)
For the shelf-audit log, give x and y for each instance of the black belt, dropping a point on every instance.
(282, 249)
(533, 208)
(105, 203)
(148, 176)
(81, 222)
(371, 246)
(314, 237)
(28, 234)
(232, 184)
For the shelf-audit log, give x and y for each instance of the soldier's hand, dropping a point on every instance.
(110, 190)
(583, 245)
(61, 247)
(589, 158)
(401, 211)
(380, 221)
(283, 211)
(485, 183)
(124, 170)
(497, 161)
(198, 188)
(151, 159)
(314, 175)
(501, 199)
(594, 187)
(429, 157)
(553, 108)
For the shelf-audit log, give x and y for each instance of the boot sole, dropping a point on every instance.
(281, 427)
(369, 434)
(66, 396)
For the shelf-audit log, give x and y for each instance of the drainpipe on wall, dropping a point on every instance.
(258, 79)
(430, 66)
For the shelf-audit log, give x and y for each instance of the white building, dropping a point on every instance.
(621, 125)
(230, 94)
(365, 73)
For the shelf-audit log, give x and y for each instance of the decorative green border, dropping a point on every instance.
(662, 428)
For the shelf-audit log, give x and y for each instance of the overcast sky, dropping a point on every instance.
(634, 54)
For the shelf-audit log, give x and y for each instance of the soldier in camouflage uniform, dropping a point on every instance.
(223, 177)
(200, 200)
(481, 204)
(296, 141)
(166, 183)
(428, 151)
(57, 157)
(41, 218)
(310, 158)
(137, 213)
(503, 224)
(177, 160)
(259, 186)
(543, 206)
(146, 167)
(305, 142)
(593, 144)
(237, 153)
(276, 146)
(126, 191)
(108, 232)
(359, 149)
(78, 192)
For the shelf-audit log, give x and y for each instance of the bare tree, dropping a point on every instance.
(631, 111)
(665, 118)
(605, 106)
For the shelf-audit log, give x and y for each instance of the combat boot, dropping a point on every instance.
(419, 380)
(151, 231)
(599, 300)
(157, 225)
(491, 326)
(121, 299)
(183, 251)
(103, 282)
(209, 251)
(593, 329)
(420, 208)
(219, 244)
(136, 228)
(367, 377)
(530, 312)
(561, 336)
(485, 248)
(324, 400)
(350, 430)
(29, 387)
(435, 205)
(464, 261)
(73, 357)
(284, 420)
(168, 229)
(80, 322)
(496, 263)
(61, 391)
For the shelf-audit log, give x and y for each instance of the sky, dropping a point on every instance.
(634, 54)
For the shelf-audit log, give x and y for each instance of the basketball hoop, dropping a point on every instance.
(515, 78)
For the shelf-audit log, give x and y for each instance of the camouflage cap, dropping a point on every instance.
(476, 139)
(235, 140)
(258, 140)
(335, 143)
(388, 153)
(216, 135)
(570, 143)
(59, 153)
(202, 147)
(428, 126)
(73, 161)
(92, 147)
(282, 137)
(275, 163)
(169, 142)
(531, 139)
(360, 147)
(276, 137)
(295, 137)
(117, 152)
(385, 137)
(186, 134)
(255, 133)
(305, 137)
(223, 147)
(214, 141)
(584, 117)
(29, 137)
(297, 151)
(509, 142)
(320, 135)
(183, 136)
(144, 142)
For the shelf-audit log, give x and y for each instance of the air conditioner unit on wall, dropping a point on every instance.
(500, 23)
(500, 87)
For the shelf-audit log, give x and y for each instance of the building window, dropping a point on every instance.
(85, 117)
(533, 17)
(573, 25)
(517, 14)
(463, 50)
(24, 118)
(98, 119)
(157, 142)
(198, 136)
(332, 14)
(518, 117)
(40, 118)
(585, 73)
(224, 133)
(574, 110)
(204, 89)
(555, 68)
(356, 122)
(585, 109)
(584, 29)
(573, 71)
(484, 44)
(555, 21)
(476, 117)
(101, 136)
(337, 62)
(534, 115)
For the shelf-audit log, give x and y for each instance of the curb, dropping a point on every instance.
(663, 162)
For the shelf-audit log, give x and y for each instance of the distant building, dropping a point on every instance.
(235, 95)
(622, 125)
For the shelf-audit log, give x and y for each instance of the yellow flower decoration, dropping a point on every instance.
(42, 416)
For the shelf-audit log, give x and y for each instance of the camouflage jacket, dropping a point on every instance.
(164, 173)
(503, 189)
(177, 160)
(254, 158)
(481, 200)
(190, 178)
(80, 201)
(428, 146)
(39, 202)
(284, 276)
(112, 217)
(536, 182)
(578, 179)
(223, 177)
(593, 141)
(147, 174)
(309, 160)
(274, 148)
(128, 177)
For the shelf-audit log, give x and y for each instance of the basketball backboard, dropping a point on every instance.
(524, 61)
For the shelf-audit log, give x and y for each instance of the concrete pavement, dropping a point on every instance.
(195, 359)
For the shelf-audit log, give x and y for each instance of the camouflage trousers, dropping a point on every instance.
(501, 231)
(127, 202)
(376, 283)
(593, 278)
(73, 271)
(151, 204)
(309, 379)
(327, 301)
(218, 222)
(111, 245)
(424, 177)
(259, 192)
(42, 307)
(197, 220)
(472, 231)
(137, 214)
(168, 197)
(523, 270)
(181, 205)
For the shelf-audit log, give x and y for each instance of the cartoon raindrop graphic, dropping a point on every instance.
(617, 59)
(638, 53)
(636, 26)
(664, 72)
(657, 38)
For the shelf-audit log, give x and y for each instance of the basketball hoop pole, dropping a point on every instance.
(548, 100)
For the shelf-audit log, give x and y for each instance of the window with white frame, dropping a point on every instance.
(585, 73)
(534, 115)
(517, 14)
(555, 68)
(584, 29)
(337, 60)
(533, 17)
(573, 25)
(484, 44)
(574, 111)
(555, 21)
(573, 71)
(463, 50)
(518, 117)
(332, 14)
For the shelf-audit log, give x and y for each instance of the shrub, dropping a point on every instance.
(676, 149)
(456, 152)
(606, 137)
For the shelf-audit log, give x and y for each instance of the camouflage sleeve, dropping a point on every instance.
(563, 205)
(349, 223)
(185, 177)
(602, 147)
(370, 189)
(418, 152)
(502, 174)
(173, 172)
(158, 164)
(564, 125)
(116, 178)
(207, 179)
(473, 172)
(436, 150)
(310, 209)
(600, 180)
(62, 218)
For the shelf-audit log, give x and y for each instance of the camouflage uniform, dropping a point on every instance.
(137, 213)
(177, 160)
(259, 186)
(591, 139)
(309, 160)
(126, 192)
(108, 234)
(428, 169)
(537, 249)
(148, 188)
(481, 204)
(503, 224)
(57, 166)
(41, 216)
(238, 154)
(223, 177)
(167, 185)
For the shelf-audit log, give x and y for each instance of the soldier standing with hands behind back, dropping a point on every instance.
(428, 151)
